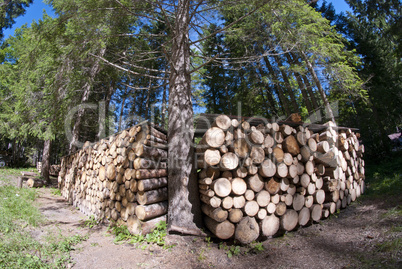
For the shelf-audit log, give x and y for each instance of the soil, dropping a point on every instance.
(355, 238)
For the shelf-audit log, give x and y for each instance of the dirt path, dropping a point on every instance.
(354, 239)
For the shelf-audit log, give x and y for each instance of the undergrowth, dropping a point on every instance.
(157, 236)
(385, 178)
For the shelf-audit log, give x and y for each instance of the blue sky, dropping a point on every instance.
(35, 12)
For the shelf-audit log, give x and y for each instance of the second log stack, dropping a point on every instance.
(263, 180)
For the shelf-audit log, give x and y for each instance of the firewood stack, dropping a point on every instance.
(263, 180)
(123, 178)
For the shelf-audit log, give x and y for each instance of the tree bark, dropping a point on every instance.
(184, 205)
(46, 161)
(320, 89)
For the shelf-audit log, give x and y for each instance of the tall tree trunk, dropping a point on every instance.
(270, 95)
(122, 109)
(184, 205)
(46, 162)
(164, 105)
(282, 98)
(311, 93)
(103, 115)
(307, 84)
(320, 89)
(301, 85)
(287, 84)
(85, 97)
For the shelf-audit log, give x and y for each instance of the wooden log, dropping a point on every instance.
(150, 152)
(304, 216)
(301, 138)
(240, 172)
(278, 137)
(152, 183)
(319, 197)
(278, 154)
(291, 146)
(251, 208)
(312, 144)
(209, 193)
(150, 173)
(263, 198)
(267, 168)
(241, 147)
(214, 138)
(292, 173)
(140, 163)
(282, 170)
(273, 186)
(235, 215)
(280, 209)
(298, 202)
(309, 168)
(309, 200)
(239, 201)
(316, 212)
(247, 230)
(284, 184)
(249, 195)
(328, 159)
(223, 122)
(262, 213)
(268, 141)
(217, 214)
(289, 220)
(311, 188)
(255, 183)
(275, 198)
(212, 201)
(229, 161)
(239, 186)
(332, 196)
(270, 225)
(256, 137)
(330, 206)
(146, 212)
(212, 157)
(222, 187)
(287, 159)
(35, 183)
(271, 207)
(252, 169)
(223, 230)
(257, 155)
(227, 202)
(323, 146)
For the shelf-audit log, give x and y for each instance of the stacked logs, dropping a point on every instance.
(123, 178)
(264, 180)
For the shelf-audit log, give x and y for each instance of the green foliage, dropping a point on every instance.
(157, 236)
(385, 178)
(236, 250)
(55, 191)
(92, 222)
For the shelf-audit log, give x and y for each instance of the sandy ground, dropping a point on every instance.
(353, 239)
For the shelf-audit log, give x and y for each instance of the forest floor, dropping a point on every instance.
(367, 234)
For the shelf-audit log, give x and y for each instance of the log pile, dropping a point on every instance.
(122, 178)
(263, 180)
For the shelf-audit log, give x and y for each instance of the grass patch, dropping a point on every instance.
(385, 178)
(157, 236)
(18, 249)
